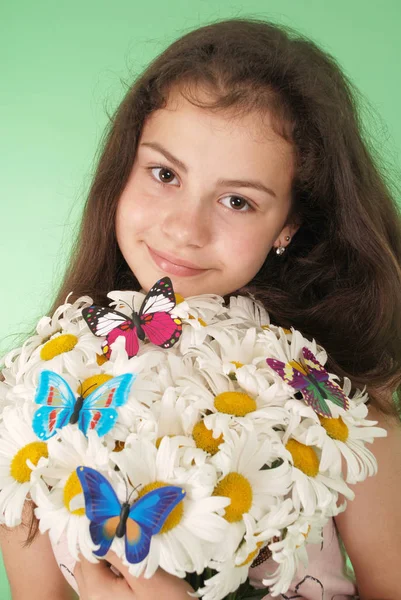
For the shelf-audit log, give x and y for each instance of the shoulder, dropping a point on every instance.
(370, 527)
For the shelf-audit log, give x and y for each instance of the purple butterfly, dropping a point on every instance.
(312, 380)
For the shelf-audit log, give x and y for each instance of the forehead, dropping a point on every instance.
(224, 144)
(257, 127)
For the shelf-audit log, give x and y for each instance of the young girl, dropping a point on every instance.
(236, 163)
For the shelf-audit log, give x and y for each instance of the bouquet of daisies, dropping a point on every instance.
(180, 433)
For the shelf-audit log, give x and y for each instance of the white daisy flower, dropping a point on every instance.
(56, 354)
(261, 470)
(214, 392)
(206, 307)
(250, 474)
(192, 526)
(346, 436)
(177, 371)
(173, 414)
(227, 579)
(61, 510)
(66, 321)
(287, 350)
(313, 490)
(291, 354)
(4, 397)
(20, 454)
(267, 529)
(252, 313)
(207, 315)
(236, 569)
(290, 551)
(229, 350)
(239, 356)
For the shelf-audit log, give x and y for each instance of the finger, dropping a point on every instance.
(99, 580)
(92, 571)
(79, 578)
(116, 564)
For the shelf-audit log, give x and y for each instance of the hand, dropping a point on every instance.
(98, 582)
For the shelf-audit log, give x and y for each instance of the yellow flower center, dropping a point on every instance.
(71, 489)
(265, 326)
(287, 331)
(304, 457)
(58, 345)
(159, 439)
(251, 555)
(236, 487)
(101, 359)
(204, 438)
(176, 514)
(234, 403)
(336, 428)
(19, 470)
(91, 383)
(237, 364)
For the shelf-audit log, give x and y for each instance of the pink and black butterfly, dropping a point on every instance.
(311, 380)
(153, 320)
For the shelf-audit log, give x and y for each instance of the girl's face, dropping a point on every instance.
(186, 213)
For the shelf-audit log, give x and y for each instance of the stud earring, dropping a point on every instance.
(281, 249)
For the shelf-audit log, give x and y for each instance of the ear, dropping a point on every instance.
(292, 229)
(289, 229)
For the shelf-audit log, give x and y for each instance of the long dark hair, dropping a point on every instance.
(339, 280)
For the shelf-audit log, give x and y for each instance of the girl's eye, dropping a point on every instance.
(161, 168)
(236, 202)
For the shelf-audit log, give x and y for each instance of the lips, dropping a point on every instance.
(174, 265)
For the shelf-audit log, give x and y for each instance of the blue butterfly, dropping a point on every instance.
(60, 407)
(109, 518)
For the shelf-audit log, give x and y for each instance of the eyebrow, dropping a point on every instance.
(247, 183)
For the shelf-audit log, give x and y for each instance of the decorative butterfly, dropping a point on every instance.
(109, 518)
(59, 406)
(312, 379)
(153, 320)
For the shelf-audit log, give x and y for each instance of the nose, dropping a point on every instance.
(187, 222)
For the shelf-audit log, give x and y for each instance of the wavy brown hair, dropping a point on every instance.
(339, 280)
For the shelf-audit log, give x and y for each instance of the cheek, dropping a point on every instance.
(133, 215)
(248, 250)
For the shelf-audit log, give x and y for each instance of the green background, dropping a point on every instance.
(63, 68)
